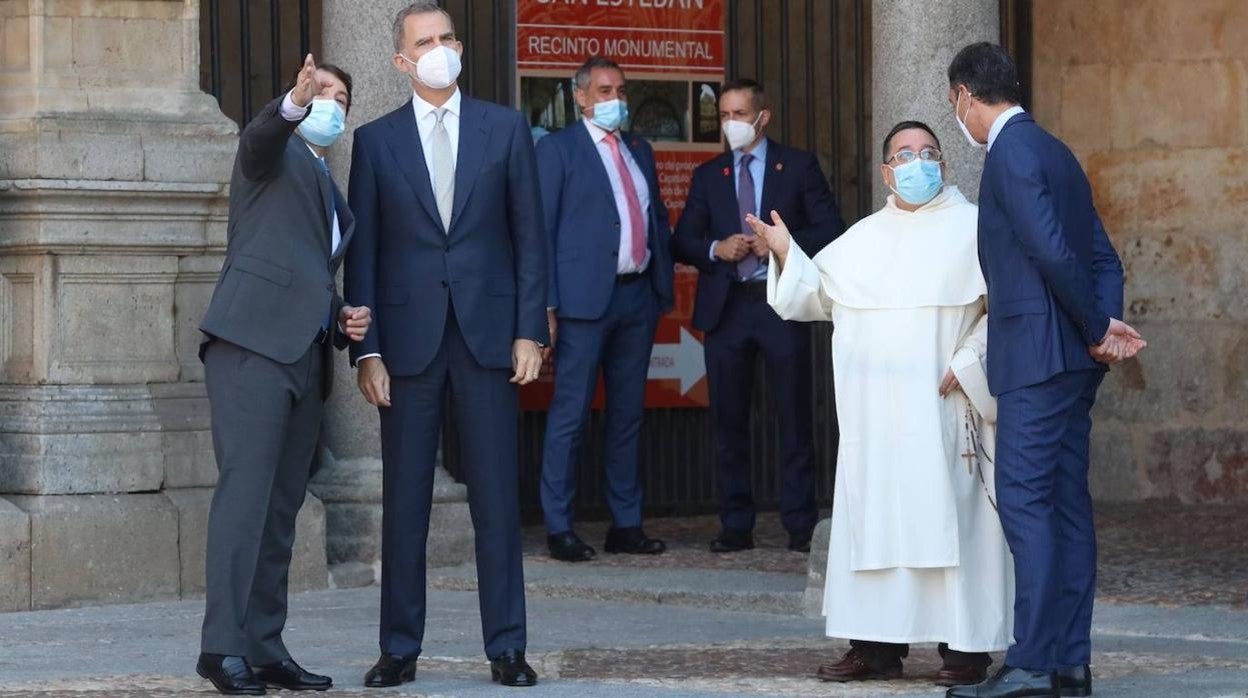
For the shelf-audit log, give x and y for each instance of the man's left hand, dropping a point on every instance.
(949, 384)
(526, 359)
(758, 246)
(355, 321)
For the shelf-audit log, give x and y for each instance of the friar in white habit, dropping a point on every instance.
(917, 553)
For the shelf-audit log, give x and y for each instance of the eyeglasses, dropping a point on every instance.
(905, 157)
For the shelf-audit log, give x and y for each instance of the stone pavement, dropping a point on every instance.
(672, 626)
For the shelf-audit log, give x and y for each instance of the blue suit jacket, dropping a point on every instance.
(1054, 279)
(490, 266)
(793, 185)
(583, 223)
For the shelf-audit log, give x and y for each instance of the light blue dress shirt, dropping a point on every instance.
(758, 170)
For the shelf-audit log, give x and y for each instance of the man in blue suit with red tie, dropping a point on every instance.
(450, 250)
(1054, 296)
(611, 278)
(758, 175)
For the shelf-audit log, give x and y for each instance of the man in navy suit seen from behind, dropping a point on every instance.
(611, 278)
(758, 175)
(1054, 296)
(449, 248)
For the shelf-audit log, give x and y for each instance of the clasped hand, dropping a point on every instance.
(1121, 342)
(775, 236)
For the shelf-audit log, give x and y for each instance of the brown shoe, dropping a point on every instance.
(960, 675)
(854, 667)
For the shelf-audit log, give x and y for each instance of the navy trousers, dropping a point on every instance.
(747, 328)
(1046, 512)
(485, 405)
(620, 342)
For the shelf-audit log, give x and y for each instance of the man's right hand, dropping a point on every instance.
(733, 248)
(1121, 342)
(374, 381)
(306, 84)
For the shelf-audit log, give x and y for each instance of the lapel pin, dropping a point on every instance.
(727, 171)
(779, 166)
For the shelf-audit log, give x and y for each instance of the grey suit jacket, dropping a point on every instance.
(276, 288)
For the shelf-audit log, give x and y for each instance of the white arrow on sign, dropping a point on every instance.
(684, 362)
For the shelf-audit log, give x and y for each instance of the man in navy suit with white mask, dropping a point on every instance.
(450, 250)
(757, 176)
(1054, 296)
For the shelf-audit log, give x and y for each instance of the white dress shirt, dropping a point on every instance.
(293, 112)
(624, 263)
(1000, 122)
(426, 120)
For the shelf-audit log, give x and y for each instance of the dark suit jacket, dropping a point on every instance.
(583, 223)
(490, 267)
(1054, 279)
(276, 288)
(793, 185)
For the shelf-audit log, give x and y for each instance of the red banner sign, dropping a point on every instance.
(656, 36)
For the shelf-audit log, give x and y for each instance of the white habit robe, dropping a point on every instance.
(917, 553)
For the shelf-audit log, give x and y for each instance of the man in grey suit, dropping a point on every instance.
(274, 315)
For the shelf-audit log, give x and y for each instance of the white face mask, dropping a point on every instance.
(962, 124)
(438, 68)
(740, 134)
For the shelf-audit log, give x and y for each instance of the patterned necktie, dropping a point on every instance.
(748, 266)
(443, 169)
(637, 233)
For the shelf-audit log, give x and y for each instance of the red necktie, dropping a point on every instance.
(638, 233)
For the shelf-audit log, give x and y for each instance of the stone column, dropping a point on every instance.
(357, 37)
(114, 170)
(912, 43)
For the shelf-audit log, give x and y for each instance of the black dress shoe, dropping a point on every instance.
(292, 677)
(391, 670)
(229, 675)
(632, 541)
(731, 540)
(567, 546)
(1010, 682)
(800, 542)
(510, 669)
(1075, 681)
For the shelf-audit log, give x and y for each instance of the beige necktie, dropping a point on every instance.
(443, 169)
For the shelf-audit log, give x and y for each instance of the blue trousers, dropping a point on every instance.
(620, 343)
(486, 407)
(1043, 435)
(748, 328)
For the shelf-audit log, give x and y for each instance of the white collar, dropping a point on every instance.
(598, 133)
(999, 124)
(423, 108)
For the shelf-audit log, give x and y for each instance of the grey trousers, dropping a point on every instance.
(266, 418)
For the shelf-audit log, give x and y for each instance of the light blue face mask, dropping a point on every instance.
(325, 123)
(610, 114)
(918, 182)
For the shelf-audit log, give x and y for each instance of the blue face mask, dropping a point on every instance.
(324, 124)
(610, 114)
(918, 182)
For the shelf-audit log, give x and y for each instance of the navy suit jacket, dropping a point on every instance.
(1054, 279)
(489, 268)
(583, 223)
(793, 185)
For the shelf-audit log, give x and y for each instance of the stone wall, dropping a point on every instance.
(1151, 95)
(114, 170)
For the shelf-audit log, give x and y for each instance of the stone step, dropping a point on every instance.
(730, 590)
